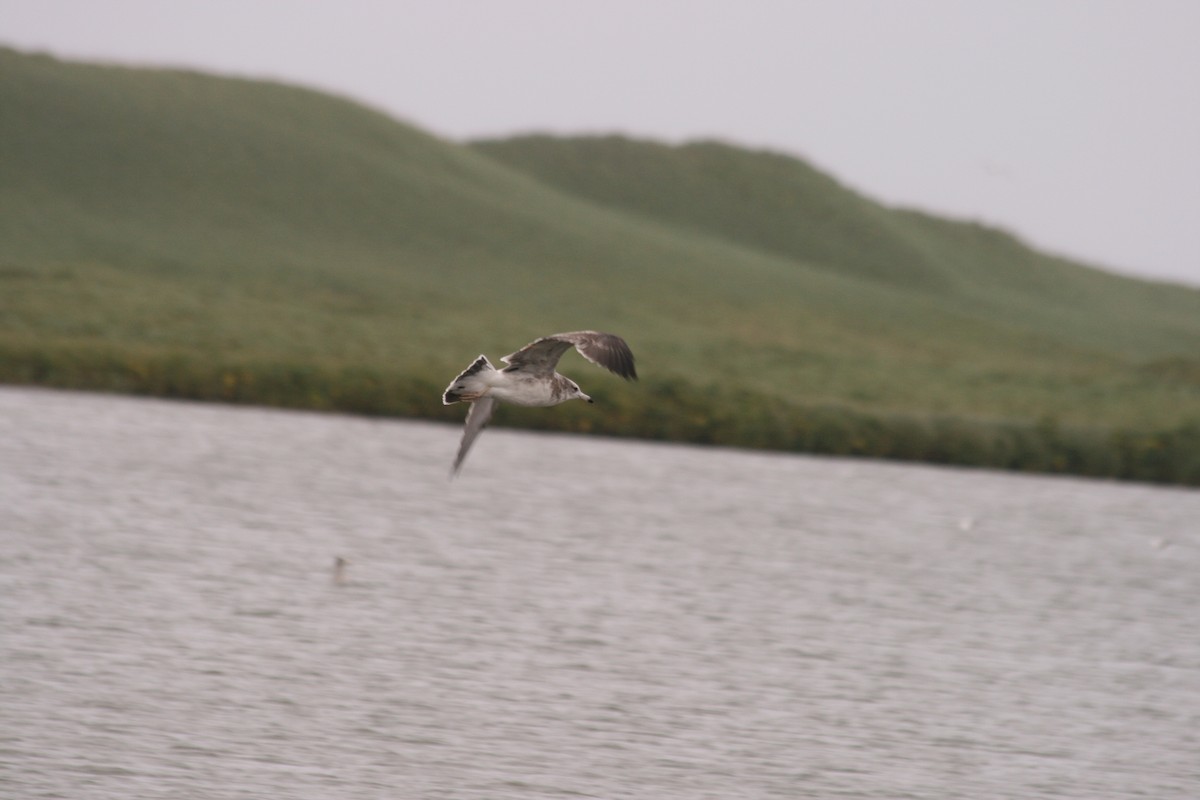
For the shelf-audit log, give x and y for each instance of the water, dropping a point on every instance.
(571, 617)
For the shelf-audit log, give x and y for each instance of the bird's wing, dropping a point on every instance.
(477, 419)
(603, 349)
(539, 357)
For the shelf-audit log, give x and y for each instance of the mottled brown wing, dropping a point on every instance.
(477, 418)
(540, 356)
(603, 349)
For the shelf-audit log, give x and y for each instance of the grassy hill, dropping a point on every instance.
(780, 205)
(181, 234)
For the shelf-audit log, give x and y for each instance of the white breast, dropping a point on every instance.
(524, 390)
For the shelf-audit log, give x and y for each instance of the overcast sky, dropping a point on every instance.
(1075, 124)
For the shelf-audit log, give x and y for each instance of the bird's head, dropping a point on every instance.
(577, 392)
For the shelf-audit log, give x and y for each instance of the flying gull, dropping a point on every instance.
(530, 379)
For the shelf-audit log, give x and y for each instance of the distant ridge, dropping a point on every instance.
(780, 204)
(758, 199)
(174, 233)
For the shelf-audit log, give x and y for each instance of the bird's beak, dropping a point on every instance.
(590, 400)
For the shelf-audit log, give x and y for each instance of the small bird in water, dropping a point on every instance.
(339, 570)
(530, 378)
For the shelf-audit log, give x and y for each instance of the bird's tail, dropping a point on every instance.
(469, 385)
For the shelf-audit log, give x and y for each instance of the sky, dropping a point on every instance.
(1074, 124)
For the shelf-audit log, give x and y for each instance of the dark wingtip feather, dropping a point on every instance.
(620, 359)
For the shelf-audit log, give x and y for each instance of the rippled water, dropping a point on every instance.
(571, 617)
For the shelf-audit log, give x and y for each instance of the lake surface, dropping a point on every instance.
(571, 617)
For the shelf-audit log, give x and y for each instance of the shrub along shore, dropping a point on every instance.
(661, 410)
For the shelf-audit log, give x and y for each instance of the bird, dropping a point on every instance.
(339, 570)
(530, 378)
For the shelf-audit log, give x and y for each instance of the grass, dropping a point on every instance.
(184, 235)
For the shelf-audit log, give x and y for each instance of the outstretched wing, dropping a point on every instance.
(477, 419)
(607, 350)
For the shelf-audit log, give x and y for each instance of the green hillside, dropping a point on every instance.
(181, 234)
(780, 205)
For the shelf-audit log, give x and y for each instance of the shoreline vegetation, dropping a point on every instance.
(170, 233)
(661, 410)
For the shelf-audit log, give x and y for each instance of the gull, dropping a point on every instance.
(530, 378)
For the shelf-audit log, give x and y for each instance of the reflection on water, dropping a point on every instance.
(571, 617)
